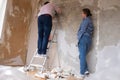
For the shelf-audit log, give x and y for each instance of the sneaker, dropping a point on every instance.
(38, 55)
(81, 77)
(44, 55)
(41, 55)
(87, 73)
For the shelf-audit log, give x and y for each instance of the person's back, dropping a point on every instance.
(49, 8)
(46, 13)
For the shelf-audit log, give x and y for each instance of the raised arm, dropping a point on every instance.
(57, 9)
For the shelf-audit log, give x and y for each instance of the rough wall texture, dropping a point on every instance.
(106, 42)
(13, 46)
(67, 25)
(106, 34)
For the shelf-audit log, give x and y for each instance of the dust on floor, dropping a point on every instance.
(18, 73)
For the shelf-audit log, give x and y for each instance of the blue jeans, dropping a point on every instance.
(44, 29)
(84, 46)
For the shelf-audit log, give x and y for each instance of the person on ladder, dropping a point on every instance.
(45, 15)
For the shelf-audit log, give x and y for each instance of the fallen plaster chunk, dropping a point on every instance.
(53, 76)
(56, 70)
(46, 75)
(57, 74)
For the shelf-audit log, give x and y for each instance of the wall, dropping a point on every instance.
(67, 33)
(105, 41)
(104, 57)
(67, 25)
(13, 46)
(108, 51)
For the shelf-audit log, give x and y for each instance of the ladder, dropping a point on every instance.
(41, 66)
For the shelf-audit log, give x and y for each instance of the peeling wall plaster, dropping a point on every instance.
(106, 31)
(108, 65)
(108, 54)
(105, 41)
(107, 4)
(86, 2)
(109, 25)
(67, 25)
(15, 32)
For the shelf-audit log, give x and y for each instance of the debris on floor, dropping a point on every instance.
(10, 73)
(57, 74)
(18, 73)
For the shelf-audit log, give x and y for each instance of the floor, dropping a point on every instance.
(18, 73)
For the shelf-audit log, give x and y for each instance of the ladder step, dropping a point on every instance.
(36, 65)
(53, 41)
(40, 56)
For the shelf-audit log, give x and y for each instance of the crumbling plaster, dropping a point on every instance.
(13, 46)
(64, 53)
(106, 34)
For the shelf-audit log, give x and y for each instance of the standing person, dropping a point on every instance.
(45, 15)
(85, 33)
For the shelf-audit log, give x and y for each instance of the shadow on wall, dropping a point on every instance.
(92, 59)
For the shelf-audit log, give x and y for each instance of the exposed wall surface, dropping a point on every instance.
(105, 42)
(108, 44)
(103, 58)
(67, 33)
(13, 46)
(64, 53)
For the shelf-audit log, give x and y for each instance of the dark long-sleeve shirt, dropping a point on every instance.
(86, 28)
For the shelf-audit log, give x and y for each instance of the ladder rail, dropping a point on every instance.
(45, 58)
(54, 32)
(43, 65)
(32, 59)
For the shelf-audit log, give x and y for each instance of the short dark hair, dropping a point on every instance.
(46, 2)
(87, 12)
